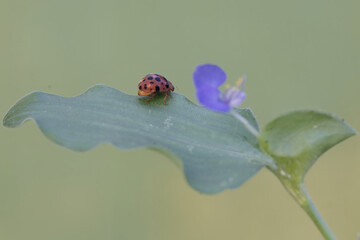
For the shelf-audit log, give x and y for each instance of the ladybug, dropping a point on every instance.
(154, 83)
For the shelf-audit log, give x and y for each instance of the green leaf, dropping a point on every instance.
(215, 150)
(296, 139)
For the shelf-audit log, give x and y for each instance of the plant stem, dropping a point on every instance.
(299, 193)
(246, 123)
(311, 210)
(294, 184)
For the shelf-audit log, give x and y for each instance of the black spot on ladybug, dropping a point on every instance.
(145, 87)
(165, 79)
(167, 85)
(162, 83)
(151, 82)
(150, 78)
(158, 79)
(144, 80)
(157, 88)
(139, 87)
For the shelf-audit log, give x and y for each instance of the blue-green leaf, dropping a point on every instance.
(215, 150)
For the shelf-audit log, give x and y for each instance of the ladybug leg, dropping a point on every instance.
(152, 95)
(166, 95)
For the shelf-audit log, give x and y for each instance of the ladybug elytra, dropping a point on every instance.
(154, 83)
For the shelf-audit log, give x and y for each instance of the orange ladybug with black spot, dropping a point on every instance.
(154, 83)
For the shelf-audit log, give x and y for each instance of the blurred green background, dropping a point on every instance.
(296, 54)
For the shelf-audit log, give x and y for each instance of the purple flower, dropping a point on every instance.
(207, 79)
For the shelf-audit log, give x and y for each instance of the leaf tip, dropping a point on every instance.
(7, 118)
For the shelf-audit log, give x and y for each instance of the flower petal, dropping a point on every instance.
(210, 98)
(229, 93)
(237, 99)
(208, 75)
